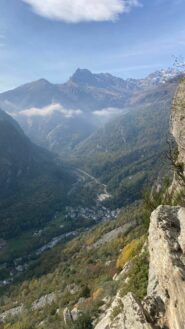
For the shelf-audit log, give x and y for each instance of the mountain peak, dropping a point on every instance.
(81, 71)
(41, 82)
(82, 76)
(163, 75)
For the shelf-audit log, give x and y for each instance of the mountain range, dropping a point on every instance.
(84, 90)
(114, 129)
(60, 116)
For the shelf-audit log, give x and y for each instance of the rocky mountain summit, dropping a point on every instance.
(164, 305)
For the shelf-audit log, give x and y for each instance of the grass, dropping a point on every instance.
(138, 277)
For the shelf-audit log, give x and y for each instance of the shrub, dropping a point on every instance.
(138, 277)
(129, 251)
(97, 293)
(85, 292)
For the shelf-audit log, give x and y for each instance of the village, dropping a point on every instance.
(96, 214)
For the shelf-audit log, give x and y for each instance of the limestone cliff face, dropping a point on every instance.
(178, 120)
(132, 316)
(164, 306)
(167, 264)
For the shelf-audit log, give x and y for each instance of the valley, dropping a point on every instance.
(76, 195)
(104, 193)
(92, 164)
(46, 239)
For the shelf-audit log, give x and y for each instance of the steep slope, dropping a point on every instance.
(126, 152)
(16, 153)
(177, 120)
(57, 131)
(127, 131)
(32, 186)
(35, 94)
(76, 274)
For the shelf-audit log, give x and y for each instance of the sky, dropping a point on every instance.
(52, 38)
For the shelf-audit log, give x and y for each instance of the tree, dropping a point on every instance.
(85, 292)
(83, 322)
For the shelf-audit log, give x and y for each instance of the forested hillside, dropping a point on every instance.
(32, 185)
(128, 152)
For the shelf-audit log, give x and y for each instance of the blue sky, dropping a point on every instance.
(52, 38)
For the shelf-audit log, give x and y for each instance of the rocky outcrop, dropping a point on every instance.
(178, 120)
(36, 305)
(124, 271)
(167, 263)
(43, 301)
(11, 313)
(67, 316)
(131, 315)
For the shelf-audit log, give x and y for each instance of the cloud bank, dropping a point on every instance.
(75, 11)
(49, 110)
(108, 112)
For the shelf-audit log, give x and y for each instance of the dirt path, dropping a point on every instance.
(105, 194)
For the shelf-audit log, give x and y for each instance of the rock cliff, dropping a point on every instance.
(178, 120)
(164, 306)
(167, 264)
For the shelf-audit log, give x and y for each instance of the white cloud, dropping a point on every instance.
(49, 110)
(108, 112)
(75, 11)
